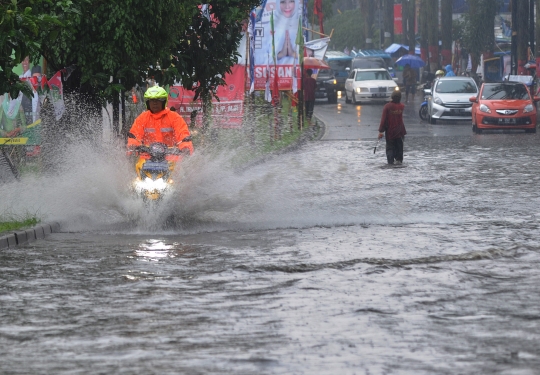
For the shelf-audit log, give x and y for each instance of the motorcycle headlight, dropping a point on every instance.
(484, 108)
(150, 185)
(437, 100)
(528, 108)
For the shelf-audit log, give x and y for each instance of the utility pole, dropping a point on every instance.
(531, 29)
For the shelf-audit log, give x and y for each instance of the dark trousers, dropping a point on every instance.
(394, 150)
(309, 108)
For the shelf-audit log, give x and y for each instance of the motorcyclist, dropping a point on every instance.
(438, 74)
(159, 124)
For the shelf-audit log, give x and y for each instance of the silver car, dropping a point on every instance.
(450, 99)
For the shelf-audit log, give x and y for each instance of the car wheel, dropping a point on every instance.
(432, 121)
(354, 98)
(347, 100)
(423, 113)
(332, 99)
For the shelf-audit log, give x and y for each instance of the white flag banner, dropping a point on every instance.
(267, 93)
(317, 47)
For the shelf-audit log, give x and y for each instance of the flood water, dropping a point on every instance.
(320, 261)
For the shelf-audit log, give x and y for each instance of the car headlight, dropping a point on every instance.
(390, 89)
(437, 100)
(484, 108)
(528, 108)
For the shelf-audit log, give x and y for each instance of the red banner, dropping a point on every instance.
(398, 29)
(284, 76)
(227, 112)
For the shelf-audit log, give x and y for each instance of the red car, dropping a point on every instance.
(504, 105)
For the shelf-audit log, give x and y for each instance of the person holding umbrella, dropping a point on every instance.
(409, 81)
(310, 86)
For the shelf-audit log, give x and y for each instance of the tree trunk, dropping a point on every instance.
(404, 22)
(433, 35)
(368, 9)
(446, 32)
(523, 35)
(116, 115)
(411, 27)
(423, 23)
(389, 22)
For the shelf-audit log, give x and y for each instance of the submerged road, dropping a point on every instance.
(321, 261)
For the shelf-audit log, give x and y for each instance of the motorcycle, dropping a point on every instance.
(423, 112)
(154, 167)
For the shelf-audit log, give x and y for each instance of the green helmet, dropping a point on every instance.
(156, 92)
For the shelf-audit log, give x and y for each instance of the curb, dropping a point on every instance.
(24, 236)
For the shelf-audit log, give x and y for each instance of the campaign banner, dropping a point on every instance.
(279, 40)
(227, 112)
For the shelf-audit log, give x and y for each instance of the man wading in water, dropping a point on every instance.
(392, 124)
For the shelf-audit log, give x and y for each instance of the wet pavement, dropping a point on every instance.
(320, 261)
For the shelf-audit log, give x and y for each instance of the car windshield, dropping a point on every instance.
(372, 76)
(505, 91)
(339, 64)
(455, 87)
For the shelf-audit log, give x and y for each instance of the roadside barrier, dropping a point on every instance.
(24, 236)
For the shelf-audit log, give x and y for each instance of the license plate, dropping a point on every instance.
(378, 95)
(507, 121)
(457, 110)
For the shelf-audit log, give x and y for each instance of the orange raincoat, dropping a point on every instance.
(165, 126)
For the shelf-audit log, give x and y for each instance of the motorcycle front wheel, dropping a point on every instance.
(423, 113)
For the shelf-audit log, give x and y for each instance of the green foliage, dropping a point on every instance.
(21, 24)
(348, 30)
(132, 40)
(476, 28)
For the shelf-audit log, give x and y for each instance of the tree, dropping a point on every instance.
(21, 24)
(348, 29)
(132, 40)
(478, 29)
(367, 8)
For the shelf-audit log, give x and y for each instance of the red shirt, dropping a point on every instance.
(310, 85)
(392, 121)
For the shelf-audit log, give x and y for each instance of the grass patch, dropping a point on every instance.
(9, 223)
(265, 130)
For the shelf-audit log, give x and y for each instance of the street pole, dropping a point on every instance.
(381, 24)
(531, 27)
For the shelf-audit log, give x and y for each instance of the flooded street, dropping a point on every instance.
(320, 261)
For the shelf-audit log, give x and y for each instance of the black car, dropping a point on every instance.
(326, 86)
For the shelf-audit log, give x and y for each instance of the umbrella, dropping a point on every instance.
(413, 60)
(313, 63)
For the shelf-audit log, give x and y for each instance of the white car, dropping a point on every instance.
(450, 99)
(367, 85)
